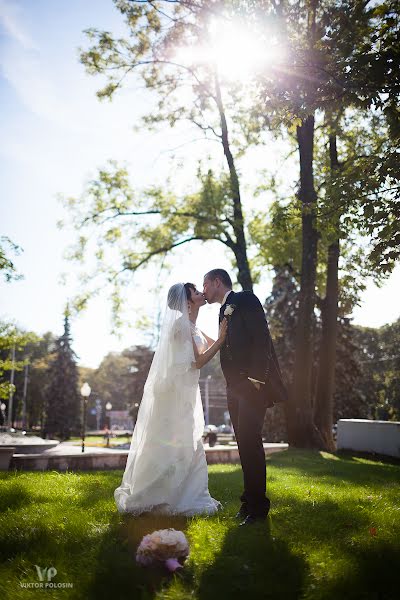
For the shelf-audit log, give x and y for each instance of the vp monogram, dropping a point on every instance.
(45, 577)
(51, 572)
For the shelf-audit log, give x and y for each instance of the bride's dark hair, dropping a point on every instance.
(175, 294)
(188, 288)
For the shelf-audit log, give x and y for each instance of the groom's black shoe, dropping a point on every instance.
(243, 512)
(251, 519)
(260, 515)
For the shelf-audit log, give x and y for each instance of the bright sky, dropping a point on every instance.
(56, 134)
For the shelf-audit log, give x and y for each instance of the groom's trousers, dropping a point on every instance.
(247, 412)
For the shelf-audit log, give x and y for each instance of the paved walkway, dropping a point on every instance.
(72, 448)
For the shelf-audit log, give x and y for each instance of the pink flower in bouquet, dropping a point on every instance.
(163, 546)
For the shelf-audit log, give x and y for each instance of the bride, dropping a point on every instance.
(166, 471)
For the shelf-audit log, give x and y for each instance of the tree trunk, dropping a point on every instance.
(301, 429)
(239, 248)
(323, 409)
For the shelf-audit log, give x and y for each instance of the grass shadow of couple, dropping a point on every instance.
(250, 562)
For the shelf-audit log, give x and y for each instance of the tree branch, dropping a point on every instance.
(162, 250)
(205, 128)
(119, 213)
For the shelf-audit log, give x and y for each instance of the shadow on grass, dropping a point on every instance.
(374, 578)
(255, 565)
(16, 496)
(116, 574)
(252, 563)
(352, 455)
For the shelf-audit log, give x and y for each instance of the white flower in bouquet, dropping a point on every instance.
(165, 546)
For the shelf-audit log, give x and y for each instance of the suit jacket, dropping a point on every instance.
(248, 350)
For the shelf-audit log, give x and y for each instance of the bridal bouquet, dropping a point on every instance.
(163, 546)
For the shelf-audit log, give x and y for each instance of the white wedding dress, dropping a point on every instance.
(166, 470)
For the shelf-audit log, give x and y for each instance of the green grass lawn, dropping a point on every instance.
(333, 533)
(100, 441)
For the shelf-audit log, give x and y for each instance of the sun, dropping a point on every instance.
(240, 52)
(237, 51)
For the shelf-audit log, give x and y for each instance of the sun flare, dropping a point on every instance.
(239, 52)
(235, 50)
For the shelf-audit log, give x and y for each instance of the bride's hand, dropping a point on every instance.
(223, 328)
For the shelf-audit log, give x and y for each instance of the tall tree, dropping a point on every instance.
(11, 339)
(323, 406)
(189, 88)
(341, 216)
(63, 410)
(37, 355)
(303, 431)
(350, 189)
(333, 62)
(13, 358)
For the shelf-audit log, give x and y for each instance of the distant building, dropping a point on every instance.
(120, 419)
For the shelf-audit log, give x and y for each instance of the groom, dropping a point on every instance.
(253, 381)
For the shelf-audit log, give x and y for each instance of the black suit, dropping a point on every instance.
(248, 351)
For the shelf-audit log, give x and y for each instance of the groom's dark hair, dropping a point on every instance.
(220, 274)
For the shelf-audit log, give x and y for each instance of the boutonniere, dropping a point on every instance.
(229, 310)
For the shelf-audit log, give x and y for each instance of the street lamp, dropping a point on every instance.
(108, 408)
(85, 393)
(12, 390)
